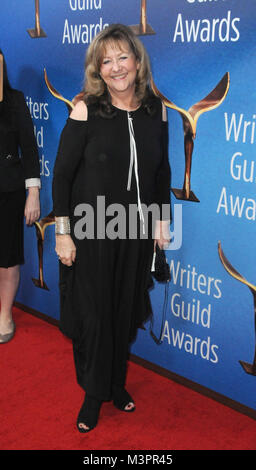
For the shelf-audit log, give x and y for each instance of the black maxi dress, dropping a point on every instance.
(104, 296)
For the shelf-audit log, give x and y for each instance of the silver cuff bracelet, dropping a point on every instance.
(62, 226)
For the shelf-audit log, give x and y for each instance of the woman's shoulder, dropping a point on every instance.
(164, 112)
(161, 108)
(79, 112)
(156, 106)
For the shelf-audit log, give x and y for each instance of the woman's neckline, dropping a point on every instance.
(127, 110)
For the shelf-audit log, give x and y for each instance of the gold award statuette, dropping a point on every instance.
(142, 28)
(37, 31)
(190, 118)
(1, 78)
(249, 368)
(40, 230)
(43, 223)
(56, 94)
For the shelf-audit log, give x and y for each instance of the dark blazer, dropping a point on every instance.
(18, 149)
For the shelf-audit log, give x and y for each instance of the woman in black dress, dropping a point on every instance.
(112, 159)
(17, 173)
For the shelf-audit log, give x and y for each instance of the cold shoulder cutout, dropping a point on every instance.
(164, 112)
(79, 112)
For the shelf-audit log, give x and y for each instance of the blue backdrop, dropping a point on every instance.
(210, 318)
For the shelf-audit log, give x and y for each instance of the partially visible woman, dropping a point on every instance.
(18, 173)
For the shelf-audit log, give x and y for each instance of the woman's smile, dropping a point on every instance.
(119, 77)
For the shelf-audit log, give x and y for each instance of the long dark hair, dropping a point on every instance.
(6, 106)
(6, 84)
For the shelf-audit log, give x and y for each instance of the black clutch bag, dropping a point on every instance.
(161, 272)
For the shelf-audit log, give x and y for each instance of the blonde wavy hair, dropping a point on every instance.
(115, 34)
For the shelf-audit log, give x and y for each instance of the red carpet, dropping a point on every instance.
(39, 402)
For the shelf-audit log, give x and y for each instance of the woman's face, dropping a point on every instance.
(119, 68)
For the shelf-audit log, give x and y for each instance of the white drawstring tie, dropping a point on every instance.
(134, 163)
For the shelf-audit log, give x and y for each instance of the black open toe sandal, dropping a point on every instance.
(88, 414)
(121, 398)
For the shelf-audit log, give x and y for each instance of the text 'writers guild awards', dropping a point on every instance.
(249, 368)
(37, 31)
(143, 28)
(49, 219)
(190, 118)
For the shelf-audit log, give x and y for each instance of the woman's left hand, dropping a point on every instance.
(32, 206)
(162, 233)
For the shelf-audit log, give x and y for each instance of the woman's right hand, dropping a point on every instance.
(65, 249)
